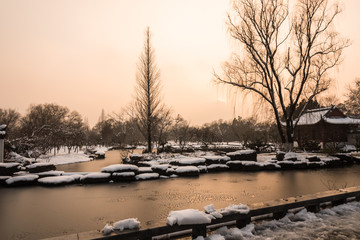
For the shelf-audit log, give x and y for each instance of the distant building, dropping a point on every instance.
(326, 125)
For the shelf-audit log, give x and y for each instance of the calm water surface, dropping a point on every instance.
(40, 212)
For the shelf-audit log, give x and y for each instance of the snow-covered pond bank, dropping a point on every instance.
(39, 212)
(339, 222)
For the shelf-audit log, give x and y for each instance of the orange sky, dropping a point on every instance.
(83, 53)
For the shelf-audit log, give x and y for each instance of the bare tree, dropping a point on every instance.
(285, 58)
(10, 118)
(181, 131)
(165, 122)
(352, 103)
(148, 101)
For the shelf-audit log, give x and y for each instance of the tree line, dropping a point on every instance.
(48, 127)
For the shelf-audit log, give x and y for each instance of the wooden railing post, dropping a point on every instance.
(242, 222)
(357, 198)
(338, 202)
(146, 235)
(199, 230)
(313, 208)
(279, 215)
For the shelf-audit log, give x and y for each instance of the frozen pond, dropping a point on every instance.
(39, 212)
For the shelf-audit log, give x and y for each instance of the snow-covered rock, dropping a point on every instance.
(216, 159)
(247, 155)
(123, 176)
(50, 173)
(290, 156)
(120, 168)
(217, 167)
(160, 169)
(99, 154)
(95, 177)
(187, 171)
(8, 168)
(3, 179)
(147, 176)
(56, 180)
(145, 170)
(136, 157)
(40, 167)
(188, 217)
(202, 168)
(188, 161)
(22, 180)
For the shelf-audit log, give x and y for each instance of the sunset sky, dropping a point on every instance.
(83, 53)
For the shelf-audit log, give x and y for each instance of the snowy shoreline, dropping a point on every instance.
(146, 168)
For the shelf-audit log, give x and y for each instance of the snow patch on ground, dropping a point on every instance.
(130, 223)
(66, 158)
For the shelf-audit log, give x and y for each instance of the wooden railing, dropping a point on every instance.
(276, 209)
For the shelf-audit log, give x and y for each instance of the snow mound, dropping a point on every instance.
(120, 168)
(107, 229)
(130, 223)
(188, 217)
(232, 209)
(239, 208)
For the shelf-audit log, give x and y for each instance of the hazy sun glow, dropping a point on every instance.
(83, 53)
